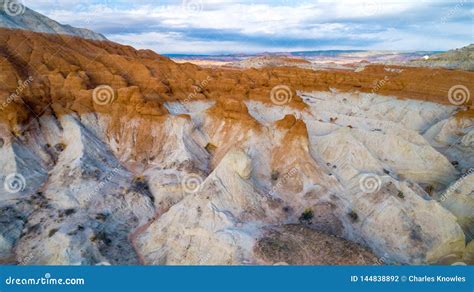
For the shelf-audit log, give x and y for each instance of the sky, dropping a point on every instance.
(225, 26)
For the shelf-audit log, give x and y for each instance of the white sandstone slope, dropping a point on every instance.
(215, 226)
(219, 183)
(459, 199)
(86, 209)
(454, 138)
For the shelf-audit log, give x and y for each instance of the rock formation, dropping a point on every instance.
(461, 59)
(114, 155)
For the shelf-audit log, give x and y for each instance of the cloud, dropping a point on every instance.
(213, 26)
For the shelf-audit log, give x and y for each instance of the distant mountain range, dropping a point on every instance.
(16, 16)
(461, 59)
(347, 56)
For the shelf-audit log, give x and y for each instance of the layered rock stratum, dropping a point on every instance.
(111, 155)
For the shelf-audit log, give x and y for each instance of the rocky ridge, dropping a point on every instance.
(461, 59)
(15, 15)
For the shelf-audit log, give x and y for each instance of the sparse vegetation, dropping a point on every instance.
(101, 237)
(275, 175)
(52, 232)
(101, 217)
(140, 185)
(307, 216)
(353, 215)
(429, 189)
(211, 148)
(69, 212)
(60, 147)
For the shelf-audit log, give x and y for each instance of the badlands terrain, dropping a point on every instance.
(111, 155)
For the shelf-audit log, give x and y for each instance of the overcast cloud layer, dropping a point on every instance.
(220, 26)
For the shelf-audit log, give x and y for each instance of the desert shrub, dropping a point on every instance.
(211, 148)
(69, 212)
(353, 215)
(140, 185)
(275, 174)
(52, 232)
(307, 215)
(60, 147)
